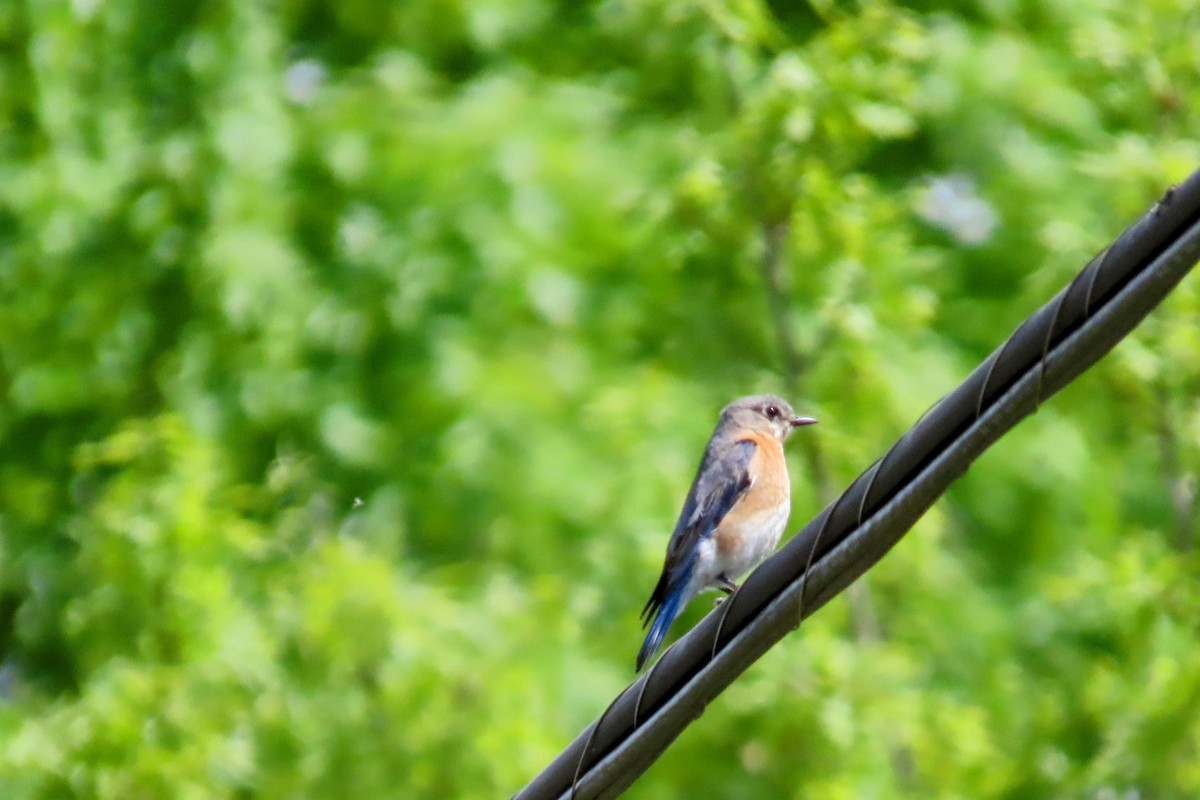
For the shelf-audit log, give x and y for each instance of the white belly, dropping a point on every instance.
(757, 537)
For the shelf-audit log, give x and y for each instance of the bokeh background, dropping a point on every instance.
(356, 358)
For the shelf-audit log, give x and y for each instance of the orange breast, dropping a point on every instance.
(768, 492)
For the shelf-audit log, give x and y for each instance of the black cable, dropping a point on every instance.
(1104, 302)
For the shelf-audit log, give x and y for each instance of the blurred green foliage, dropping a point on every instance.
(357, 356)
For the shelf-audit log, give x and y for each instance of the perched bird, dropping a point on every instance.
(733, 515)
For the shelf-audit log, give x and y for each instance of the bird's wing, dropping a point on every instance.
(721, 481)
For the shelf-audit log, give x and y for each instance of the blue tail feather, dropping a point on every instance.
(670, 609)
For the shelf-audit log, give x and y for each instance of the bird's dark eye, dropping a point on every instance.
(772, 412)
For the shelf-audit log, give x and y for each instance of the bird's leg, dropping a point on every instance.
(727, 586)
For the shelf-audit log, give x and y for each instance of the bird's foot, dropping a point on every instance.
(727, 586)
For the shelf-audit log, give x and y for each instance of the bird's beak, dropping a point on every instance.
(798, 421)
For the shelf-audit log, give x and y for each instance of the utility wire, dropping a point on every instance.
(1104, 302)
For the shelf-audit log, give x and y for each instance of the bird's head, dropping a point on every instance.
(765, 413)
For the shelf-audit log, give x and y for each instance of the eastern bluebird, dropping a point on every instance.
(733, 515)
